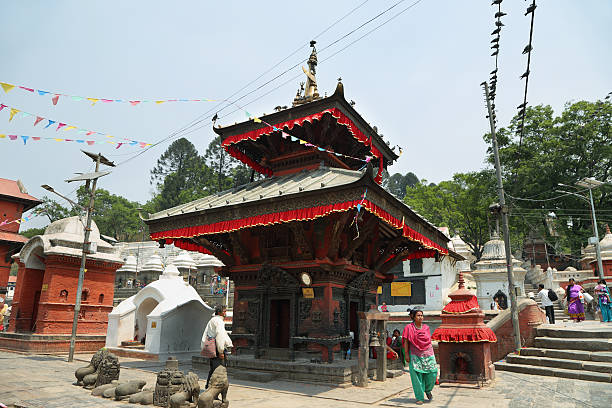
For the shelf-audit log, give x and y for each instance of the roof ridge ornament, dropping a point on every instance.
(310, 91)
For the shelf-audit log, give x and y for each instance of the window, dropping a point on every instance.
(416, 265)
(63, 295)
(85, 295)
(101, 298)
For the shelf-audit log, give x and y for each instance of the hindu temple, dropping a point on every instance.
(308, 244)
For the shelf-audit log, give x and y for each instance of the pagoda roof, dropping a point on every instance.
(11, 190)
(12, 237)
(301, 196)
(334, 105)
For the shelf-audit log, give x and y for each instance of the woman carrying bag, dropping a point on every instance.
(215, 341)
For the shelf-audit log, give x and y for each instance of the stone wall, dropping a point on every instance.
(530, 316)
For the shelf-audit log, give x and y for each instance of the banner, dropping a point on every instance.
(55, 96)
(401, 289)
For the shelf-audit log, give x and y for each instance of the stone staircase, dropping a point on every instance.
(558, 308)
(581, 351)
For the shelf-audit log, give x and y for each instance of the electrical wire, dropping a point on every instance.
(544, 199)
(195, 122)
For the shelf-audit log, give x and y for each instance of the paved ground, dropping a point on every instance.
(37, 381)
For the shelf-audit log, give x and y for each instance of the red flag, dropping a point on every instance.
(38, 119)
(59, 126)
(55, 99)
(119, 145)
(27, 89)
(90, 142)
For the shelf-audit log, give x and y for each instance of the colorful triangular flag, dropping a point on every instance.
(59, 126)
(26, 89)
(38, 119)
(134, 103)
(50, 123)
(256, 120)
(93, 101)
(7, 87)
(13, 113)
(42, 93)
(69, 128)
(55, 99)
(25, 139)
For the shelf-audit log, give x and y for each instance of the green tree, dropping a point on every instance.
(52, 209)
(397, 183)
(461, 204)
(31, 232)
(557, 149)
(114, 215)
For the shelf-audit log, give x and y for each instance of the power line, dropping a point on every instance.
(201, 117)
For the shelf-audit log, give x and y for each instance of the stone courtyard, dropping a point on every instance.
(44, 381)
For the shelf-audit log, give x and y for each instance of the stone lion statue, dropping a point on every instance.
(218, 385)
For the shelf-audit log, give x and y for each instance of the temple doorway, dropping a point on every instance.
(279, 323)
(146, 307)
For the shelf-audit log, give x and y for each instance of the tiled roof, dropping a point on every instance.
(281, 186)
(10, 189)
(12, 237)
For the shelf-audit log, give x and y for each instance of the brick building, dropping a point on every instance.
(45, 293)
(14, 201)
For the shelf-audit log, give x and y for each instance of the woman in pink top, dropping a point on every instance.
(420, 356)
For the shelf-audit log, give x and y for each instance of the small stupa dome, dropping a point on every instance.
(129, 265)
(72, 229)
(171, 272)
(184, 260)
(154, 263)
(605, 245)
(204, 260)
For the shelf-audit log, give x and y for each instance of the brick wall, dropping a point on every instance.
(530, 316)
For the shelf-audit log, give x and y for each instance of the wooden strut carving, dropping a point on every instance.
(385, 267)
(218, 253)
(238, 248)
(391, 247)
(335, 235)
(300, 238)
(363, 236)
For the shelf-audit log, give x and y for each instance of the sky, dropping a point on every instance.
(416, 77)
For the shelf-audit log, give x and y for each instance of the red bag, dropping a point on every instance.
(210, 348)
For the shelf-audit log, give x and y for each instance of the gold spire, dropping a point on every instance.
(311, 92)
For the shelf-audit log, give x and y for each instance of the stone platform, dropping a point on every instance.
(145, 355)
(339, 373)
(49, 344)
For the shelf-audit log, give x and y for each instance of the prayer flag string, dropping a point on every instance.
(14, 112)
(26, 138)
(55, 96)
(292, 138)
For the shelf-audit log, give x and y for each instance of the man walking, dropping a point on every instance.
(547, 303)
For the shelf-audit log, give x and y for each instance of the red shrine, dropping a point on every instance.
(464, 340)
(308, 244)
(14, 201)
(45, 292)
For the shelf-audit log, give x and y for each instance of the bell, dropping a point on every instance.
(374, 341)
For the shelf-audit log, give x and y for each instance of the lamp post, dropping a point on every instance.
(90, 179)
(590, 184)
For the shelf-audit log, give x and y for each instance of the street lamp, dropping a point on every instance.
(590, 184)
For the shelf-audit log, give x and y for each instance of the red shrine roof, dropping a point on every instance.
(355, 141)
(299, 196)
(11, 190)
(12, 237)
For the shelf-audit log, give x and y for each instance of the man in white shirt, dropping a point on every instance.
(547, 303)
(216, 329)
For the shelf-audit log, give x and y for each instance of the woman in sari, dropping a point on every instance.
(420, 356)
(575, 307)
(605, 302)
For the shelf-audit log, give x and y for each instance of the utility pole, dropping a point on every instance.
(87, 247)
(591, 184)
(503, 210)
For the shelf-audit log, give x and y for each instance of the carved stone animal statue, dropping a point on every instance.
(108, 370)
(98, 391)
(144, 397)
(92, 367)
(190, 392)
(126, 389)
(218, 385)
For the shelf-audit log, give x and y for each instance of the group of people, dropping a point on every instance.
(576, 298)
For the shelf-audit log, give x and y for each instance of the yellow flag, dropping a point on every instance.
(93, 101)
(69, 127)
(13, 113)
(111, 136)
(158, 102)
(2, 136)
(302, 141)
(59, 140)
(6, 87)
(256, 120)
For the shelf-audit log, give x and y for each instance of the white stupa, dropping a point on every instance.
(167, 315)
